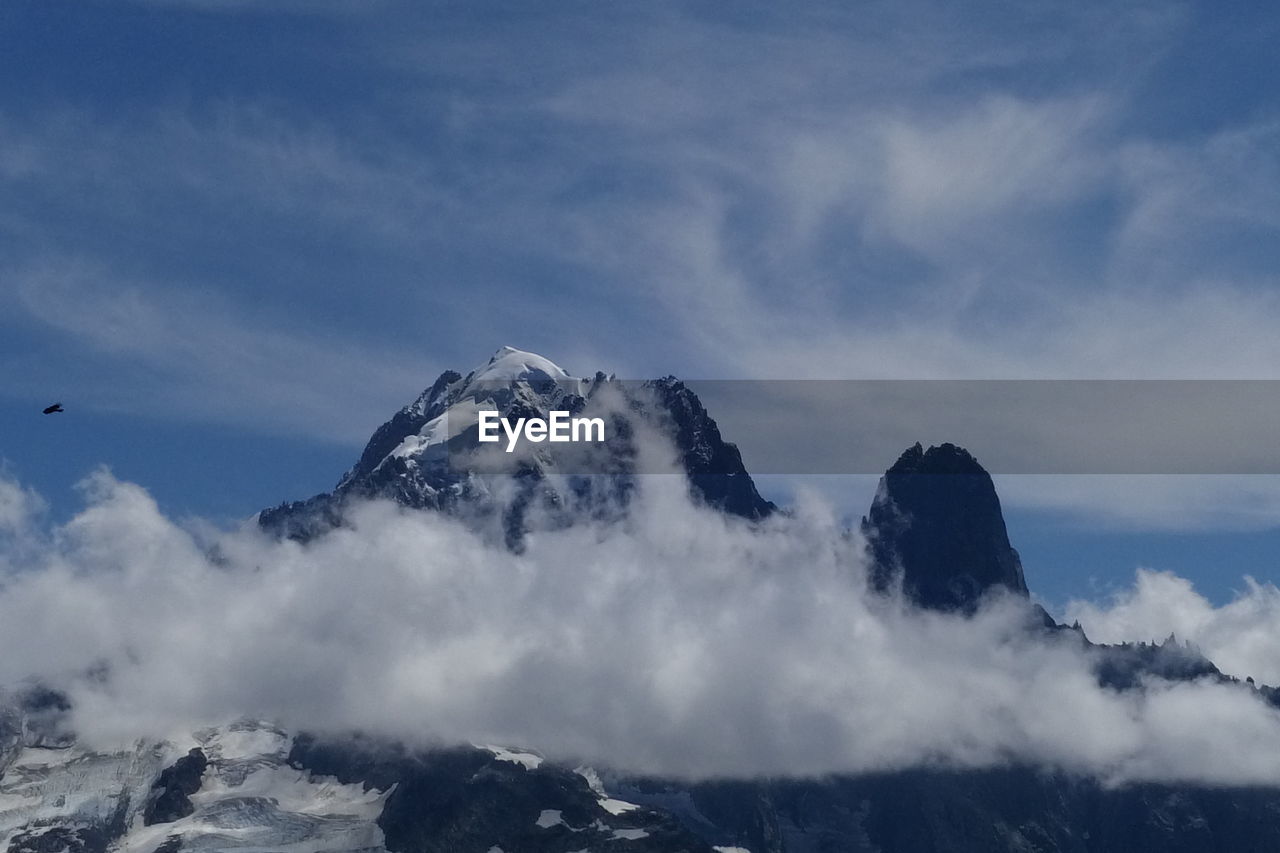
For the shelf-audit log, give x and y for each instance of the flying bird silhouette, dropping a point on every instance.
(56, 407)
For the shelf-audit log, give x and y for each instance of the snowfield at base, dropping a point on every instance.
(550, 818)
(249, 799)
(74, 786)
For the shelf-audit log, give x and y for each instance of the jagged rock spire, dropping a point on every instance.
(936, 523)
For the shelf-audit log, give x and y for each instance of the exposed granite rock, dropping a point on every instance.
(936, 524)
(171, 794)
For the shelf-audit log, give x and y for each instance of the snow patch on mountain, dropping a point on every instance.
(609, 804)
(527, 760)
(249, 799)
(243, 742)
(76, 788)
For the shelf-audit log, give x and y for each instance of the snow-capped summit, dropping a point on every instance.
(509, 364)
(427, 456)
(508, 367)
(511, 380)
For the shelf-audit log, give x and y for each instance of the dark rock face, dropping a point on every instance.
(466, 799)
(714, 466)
(171, 793)
(988, 811)
(936, 523)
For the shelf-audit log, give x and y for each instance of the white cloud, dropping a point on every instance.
(997, 159)
(1196, 206)
(1241, 636)
(680, 642)
(22, 512)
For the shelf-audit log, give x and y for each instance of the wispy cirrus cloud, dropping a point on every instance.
(153, 351)
(895, 191)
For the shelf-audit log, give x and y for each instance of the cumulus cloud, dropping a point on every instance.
(21, 511)
(677, 641)
(18, 507)
(1241, 636)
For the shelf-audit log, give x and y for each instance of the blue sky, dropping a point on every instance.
(235, 236)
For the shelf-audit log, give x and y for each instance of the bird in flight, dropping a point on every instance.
(56, 407)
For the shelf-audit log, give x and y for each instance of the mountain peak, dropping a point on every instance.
(420, 457)
(945, 458)
(509, 364)
(936, 522)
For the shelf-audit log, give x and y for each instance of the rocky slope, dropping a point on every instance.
(249, 786)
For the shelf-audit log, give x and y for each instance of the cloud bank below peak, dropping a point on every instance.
(680, 643)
